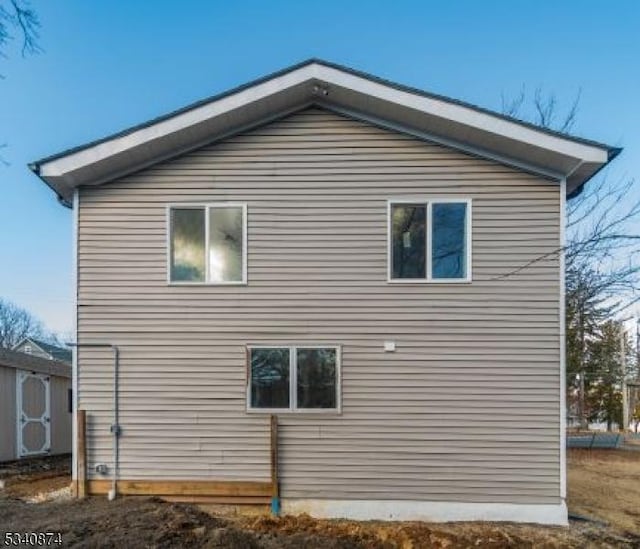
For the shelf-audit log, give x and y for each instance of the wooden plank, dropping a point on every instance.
(223, 500)
(81, 480)
(275, 487)
(209, 488)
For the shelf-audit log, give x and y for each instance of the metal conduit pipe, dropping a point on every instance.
(115, 427)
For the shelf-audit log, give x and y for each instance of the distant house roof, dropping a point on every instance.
(353, 93)
(56, 352)
(30, 363)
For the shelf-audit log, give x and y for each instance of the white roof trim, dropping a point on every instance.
(464, 115)
(186, 129)
(468, 149)
(24, 340)
(181, 121)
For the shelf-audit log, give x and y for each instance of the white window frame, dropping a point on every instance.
(293, 380)
(428, 203)
(206, 206)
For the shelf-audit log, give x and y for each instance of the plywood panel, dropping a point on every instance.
(61, 418)
(7, 414)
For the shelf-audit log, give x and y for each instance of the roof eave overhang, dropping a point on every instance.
(427, 116)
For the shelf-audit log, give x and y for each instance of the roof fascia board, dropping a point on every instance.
(425, 136)
(59, 167)
(332, 76)
(195, 146)
(33, 363)
(464, 115)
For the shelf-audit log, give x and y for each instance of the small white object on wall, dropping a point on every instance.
(389, 346)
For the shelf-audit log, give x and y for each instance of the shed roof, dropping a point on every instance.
(23, 361)
(316, 82)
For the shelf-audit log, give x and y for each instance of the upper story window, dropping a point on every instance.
(430, 241)
(208, 244)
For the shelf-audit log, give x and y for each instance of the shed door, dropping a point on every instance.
(33, 413)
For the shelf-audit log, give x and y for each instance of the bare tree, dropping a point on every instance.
(545, 109)
(601, 252)
(17, 323)
(600, 235)
(17, 15)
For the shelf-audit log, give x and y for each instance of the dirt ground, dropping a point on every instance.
(36, 498)
(606, 484)
(35, 479)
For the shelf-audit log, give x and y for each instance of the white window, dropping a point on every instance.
(303, 378)
(27, 349)
(429, 240)
(207, 244)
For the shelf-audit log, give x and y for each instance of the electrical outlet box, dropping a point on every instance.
(102, 469)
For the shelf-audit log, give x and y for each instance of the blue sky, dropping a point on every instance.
(109, 65)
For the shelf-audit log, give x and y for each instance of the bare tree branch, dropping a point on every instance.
(570, 117)
(512, 107)
(545, 108)
(29, 24)
(601, 235)
(19, 15)
(16, 324)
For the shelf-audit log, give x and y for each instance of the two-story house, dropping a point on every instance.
(377, 266)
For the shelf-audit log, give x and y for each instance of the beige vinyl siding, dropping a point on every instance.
(7, 414)
(466, 409)
(60, 416)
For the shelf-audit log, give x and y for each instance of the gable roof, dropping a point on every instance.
(30, 363)
(57, 353)
(316, 82)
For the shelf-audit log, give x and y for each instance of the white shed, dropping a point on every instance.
(35, 406)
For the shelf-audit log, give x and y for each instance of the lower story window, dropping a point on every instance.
(294, 378)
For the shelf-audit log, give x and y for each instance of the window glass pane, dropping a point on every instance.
(316, 378)
(225, 244)
(408, 226)
(449, 255)
(270, 378)
(187, 244)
